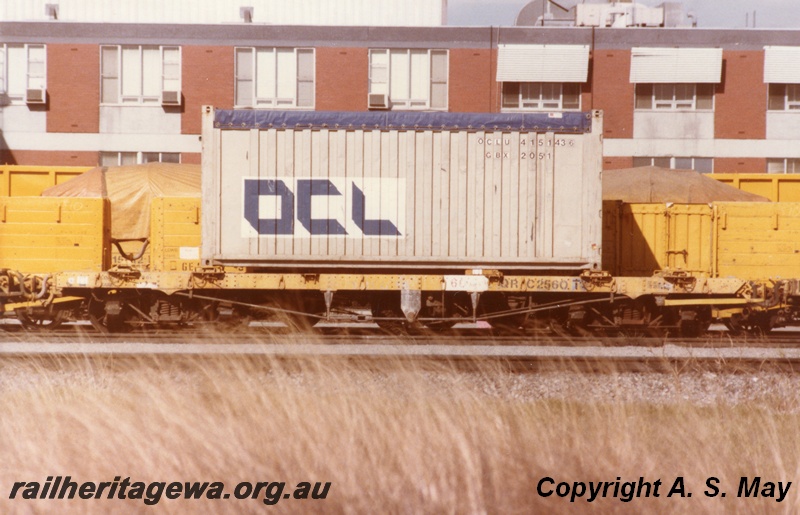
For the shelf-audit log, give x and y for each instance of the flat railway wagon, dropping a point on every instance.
(758, 242)
(408, 219)
(410, 216)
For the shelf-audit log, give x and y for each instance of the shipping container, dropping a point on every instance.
(402, 189)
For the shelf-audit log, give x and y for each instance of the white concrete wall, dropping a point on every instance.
(613, 147)
(783, 125)
(673, 125)
(138, 120)
(20, 118)
(273, 12)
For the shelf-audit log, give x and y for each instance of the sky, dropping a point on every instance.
(783, 14)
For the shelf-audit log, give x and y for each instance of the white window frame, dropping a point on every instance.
(535, 100)
(671, 96)
(789, 97)
(33, 80)
(304, 80)
(783, 165)
(672, 162)
(381, 78)
(131, 158)
(114, 81)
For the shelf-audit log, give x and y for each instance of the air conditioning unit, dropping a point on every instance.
(35, 96)
(171, 98)
(378, 101)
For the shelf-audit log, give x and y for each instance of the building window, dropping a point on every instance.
(275, 77)
(22, 68)
(700, 164)
(412, 79)
(783, 165)
(675, 97)
(542, 95)
(132, 158)
(784, 97)
(137, 75)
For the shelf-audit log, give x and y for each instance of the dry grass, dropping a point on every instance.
(395, 440)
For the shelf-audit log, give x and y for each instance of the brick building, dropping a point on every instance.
(78, 92)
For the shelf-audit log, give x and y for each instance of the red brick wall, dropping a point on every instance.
(52, 158)
(740, 165)
(740, 104)
(73, 88)
(586, 98)
(472, 84)
(342, 79)
(193, 158)
(612, 92)
(207, 79)
(615, 163)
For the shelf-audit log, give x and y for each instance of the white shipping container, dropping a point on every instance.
(388, 189)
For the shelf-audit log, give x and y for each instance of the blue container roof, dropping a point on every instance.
(245, 119)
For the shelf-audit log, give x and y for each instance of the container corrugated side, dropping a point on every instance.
(416, 190)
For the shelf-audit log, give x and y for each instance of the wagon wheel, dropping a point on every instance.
(568, 329)
(40, 319)
(652, 328)
(207, 311)
(561, 325)
(229, 318)
(694, 328)
(636, 319)
(648, 331)
(737, 326)
(102, 321)
(299, 312)
(512, 320)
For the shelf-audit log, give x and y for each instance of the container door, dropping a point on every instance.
(689, 238)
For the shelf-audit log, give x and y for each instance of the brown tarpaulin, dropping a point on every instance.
(661, 185)
(130, 190)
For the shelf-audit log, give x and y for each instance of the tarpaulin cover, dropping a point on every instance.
(569, 122)
(130, 190)
(661, 185)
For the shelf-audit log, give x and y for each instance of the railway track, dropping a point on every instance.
(358, 334)
(461, 350)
